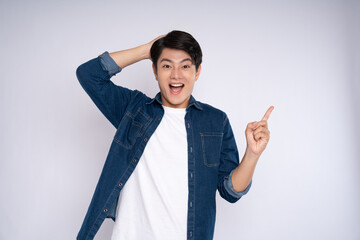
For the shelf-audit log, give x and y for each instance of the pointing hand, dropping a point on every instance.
(258, 135)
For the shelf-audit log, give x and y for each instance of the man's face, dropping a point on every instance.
(176, 76)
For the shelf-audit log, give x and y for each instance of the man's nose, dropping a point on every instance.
(175, 73)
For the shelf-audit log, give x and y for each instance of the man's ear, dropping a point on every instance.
(155, 72)
(198, 73)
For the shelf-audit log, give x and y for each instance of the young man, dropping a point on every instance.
(169, 154)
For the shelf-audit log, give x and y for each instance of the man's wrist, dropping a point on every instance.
(145, 50)
(250, 156)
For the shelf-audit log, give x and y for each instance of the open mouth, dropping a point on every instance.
(176, 88)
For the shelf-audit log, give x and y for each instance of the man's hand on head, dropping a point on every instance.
(127, 57)
(149, 45)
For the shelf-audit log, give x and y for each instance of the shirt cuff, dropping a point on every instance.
(108, 64)
(229, 187)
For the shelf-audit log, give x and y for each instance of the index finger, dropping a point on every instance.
(267, 114)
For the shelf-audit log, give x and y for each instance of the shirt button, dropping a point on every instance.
(190, 149)
(191, 175)
(134, 160)
(145, 139)
(190, 204)
(188, 125)
(190, 233)
(105, 210)
(120, 184)
(159, 118)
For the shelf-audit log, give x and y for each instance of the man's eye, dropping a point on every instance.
(166, 66)
(186, 66)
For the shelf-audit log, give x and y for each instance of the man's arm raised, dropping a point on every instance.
(127, 57)
(94, 76)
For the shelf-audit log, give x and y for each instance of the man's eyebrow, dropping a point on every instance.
(184, 60)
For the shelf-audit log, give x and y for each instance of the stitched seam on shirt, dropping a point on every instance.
(204, 147)
(141, 127)
(225, 120)
(122, 120)
(145, 115)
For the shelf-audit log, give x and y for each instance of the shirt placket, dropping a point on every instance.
(191, 177)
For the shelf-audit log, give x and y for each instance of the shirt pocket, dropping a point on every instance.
(211, 148)
(130, 128)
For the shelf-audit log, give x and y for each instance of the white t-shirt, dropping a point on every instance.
(153, 202)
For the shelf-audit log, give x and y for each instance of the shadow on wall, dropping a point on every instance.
(354, 62)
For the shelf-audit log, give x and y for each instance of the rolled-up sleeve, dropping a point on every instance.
(108, 64)
(230, 189)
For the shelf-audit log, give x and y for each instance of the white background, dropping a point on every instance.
(303, 57)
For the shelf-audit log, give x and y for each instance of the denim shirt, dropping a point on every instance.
(212, 151)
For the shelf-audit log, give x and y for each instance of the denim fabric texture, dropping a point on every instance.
(212, 151)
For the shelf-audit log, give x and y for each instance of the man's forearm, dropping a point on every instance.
(243, 173)
(127, 57)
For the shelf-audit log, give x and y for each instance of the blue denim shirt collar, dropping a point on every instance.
(192, 101)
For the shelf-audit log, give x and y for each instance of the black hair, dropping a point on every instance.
(177, 40)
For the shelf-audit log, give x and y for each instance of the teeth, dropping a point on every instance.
(176, 85)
